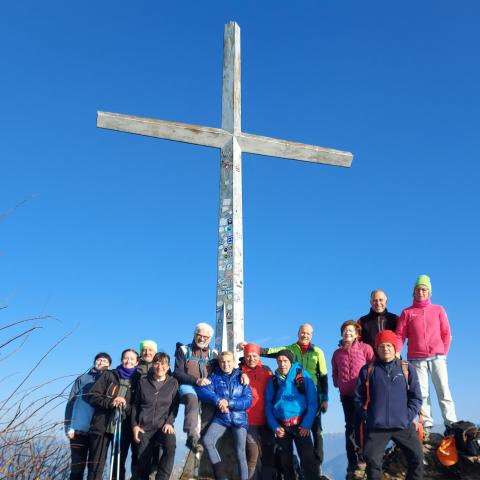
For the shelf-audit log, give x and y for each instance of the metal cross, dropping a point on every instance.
(232, 141)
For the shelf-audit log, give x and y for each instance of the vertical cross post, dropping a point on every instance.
(229, 329)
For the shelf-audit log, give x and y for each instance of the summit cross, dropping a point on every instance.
(229, 326)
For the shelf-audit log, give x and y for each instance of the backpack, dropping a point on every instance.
(447, 451)
(202, 362)
(371, 366)
(299, 382)
(467, 437)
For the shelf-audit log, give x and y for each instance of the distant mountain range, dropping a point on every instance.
(335, 461)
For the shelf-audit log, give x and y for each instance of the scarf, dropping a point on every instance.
(126, 373)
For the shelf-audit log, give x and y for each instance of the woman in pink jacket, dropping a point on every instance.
(428, 331)
(346, 364)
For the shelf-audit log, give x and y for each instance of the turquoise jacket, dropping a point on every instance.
(283, 400)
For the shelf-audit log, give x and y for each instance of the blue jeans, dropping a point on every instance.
(214, 432)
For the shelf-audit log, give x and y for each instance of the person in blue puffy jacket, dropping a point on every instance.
(290, 405)
(232, 400)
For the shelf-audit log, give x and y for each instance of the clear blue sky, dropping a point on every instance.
(120, 241)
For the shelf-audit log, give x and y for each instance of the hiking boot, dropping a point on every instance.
(361, 466)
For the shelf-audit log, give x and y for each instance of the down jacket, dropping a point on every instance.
(346, 364)
(225, 386)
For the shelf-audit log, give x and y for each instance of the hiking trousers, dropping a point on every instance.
(437, 368)
(260, 456)
(214, 432)
(79, 453)
(352, 429)
(97, 456)
(156, 449)
(191, 424)
(308, 460)
(406, 439)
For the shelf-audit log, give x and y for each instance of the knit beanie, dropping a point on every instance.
(251, 348)
(103, 355)
(148, 343)
(386, 336)
(424, 280)
(286, 353)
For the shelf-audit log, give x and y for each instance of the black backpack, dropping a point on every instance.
(299, 382)
(467, 437)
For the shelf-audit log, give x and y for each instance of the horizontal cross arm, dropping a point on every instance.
(180, 132)
(273, 147)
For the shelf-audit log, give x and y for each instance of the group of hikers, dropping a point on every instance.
(134, 405)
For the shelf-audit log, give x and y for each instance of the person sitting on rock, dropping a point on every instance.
(193, 364)
(231, 400)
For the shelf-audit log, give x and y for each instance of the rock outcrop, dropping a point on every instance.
(467, 468)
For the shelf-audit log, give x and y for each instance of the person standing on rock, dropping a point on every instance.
(79, 413)
(427, 329)
(148, 348)
(388, 399)
(291, 406)
(312, 359)
(260, 438)
(347, 361)
(153, 415)
(378, 319)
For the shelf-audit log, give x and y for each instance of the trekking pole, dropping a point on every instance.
(112, 453)
(115, 442)
(119, 436)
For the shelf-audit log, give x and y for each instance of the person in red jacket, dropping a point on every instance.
(347, 362)
(428, 331)
(260, 438)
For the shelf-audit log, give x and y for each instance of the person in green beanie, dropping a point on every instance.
(427, 329)
(148, 349)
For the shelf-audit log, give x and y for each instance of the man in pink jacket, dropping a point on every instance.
(428, 331)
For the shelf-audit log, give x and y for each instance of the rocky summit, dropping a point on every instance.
(467, 468)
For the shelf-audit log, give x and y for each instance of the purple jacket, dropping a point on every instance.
(346, 365)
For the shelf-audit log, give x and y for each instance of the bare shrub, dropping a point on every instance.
(31, 447)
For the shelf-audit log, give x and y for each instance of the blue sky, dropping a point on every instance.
(119, 243)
